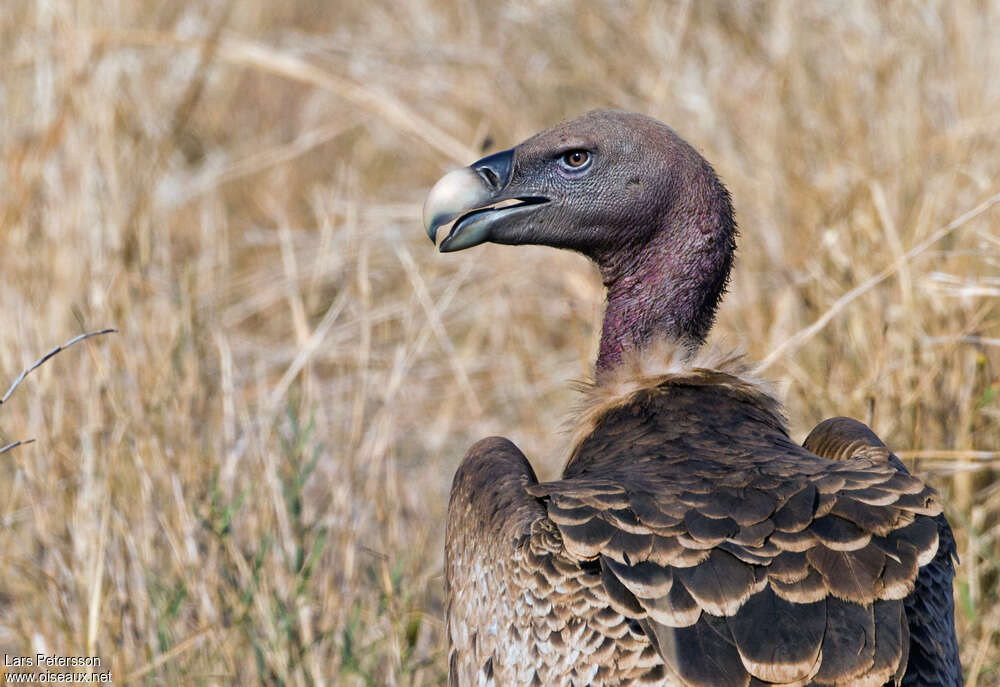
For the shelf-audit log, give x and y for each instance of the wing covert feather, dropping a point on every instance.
(680, 562)
(796, 578)
(490, 518)
(927, 646)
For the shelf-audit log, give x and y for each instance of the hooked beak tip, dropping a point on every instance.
(454, 194)
(432, 228)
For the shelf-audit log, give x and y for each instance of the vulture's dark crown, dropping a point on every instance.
(626, 191)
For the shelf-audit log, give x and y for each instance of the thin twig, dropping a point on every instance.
(798, 339)
(38, 363)
(41, 361)
(14, 445)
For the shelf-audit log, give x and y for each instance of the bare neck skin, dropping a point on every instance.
(671, 286)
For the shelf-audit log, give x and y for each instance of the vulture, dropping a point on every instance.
(690, 541)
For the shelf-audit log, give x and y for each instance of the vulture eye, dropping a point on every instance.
(575, 159)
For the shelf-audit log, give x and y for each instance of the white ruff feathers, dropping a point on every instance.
(661, 363)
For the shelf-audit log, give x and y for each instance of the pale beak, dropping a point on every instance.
(469, 195)
(455, 194)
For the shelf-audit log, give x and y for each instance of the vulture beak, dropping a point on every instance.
(470, 194)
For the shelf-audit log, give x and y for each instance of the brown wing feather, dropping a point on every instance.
(489, 517)
(930, 647)
(797, 579)
(690, 543)
(520, 611)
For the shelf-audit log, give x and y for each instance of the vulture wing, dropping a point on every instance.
(930, 609)
(490, 521)
(745, 558)
(521, 611)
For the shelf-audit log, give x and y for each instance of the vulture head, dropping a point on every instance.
(622, 189)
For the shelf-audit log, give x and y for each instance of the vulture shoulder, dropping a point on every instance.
(930, 609)
(691, 542)
(521, 610)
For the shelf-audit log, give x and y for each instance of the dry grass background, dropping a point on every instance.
(248, 482)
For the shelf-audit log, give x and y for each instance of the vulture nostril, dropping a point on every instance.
(495, 169)
(491, 177)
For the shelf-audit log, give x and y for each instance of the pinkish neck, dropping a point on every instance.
(632, 319)
(666, 292)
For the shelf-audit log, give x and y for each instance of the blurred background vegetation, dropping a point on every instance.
(248, 482)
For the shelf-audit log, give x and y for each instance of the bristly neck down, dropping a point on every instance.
(671, 286)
